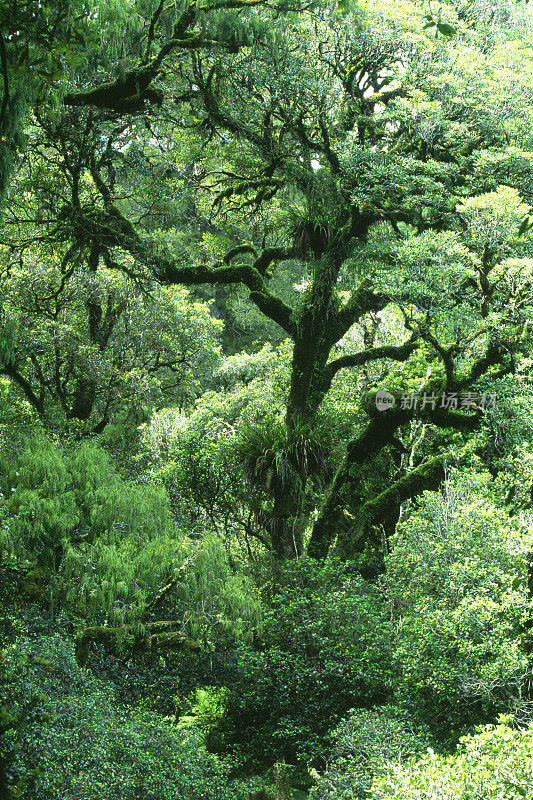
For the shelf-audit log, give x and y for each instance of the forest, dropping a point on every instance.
(266, 391)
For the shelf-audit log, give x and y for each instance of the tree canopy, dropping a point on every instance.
(267, 272)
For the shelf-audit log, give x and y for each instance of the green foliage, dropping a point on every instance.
(456, 613)
(127, 544)
(492, 218)
(494, 762)
(113, 506)
(8, 338)
(213, 597)
(206, 710)
(201, 457)
(129, 548)
(76, 741)
(40, 507)
(110, 543)
(326, 178)
(325, 646)
(277, 458)
(40, 38)
(364, 743)
(95, 349)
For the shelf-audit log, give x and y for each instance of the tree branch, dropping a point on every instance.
(427, 476)
(11, 372)
(248, 275)
(363, 300)
(151, 31)
(397, 353)
(130, 93)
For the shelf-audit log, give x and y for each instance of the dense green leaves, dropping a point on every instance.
(228, 228)
(75, 742)
(456, 610)
(324, 648)
(493, 762)
(364, 743)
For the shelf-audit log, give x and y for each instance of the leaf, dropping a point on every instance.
(445, 29)
(516, 583)
(525, 225)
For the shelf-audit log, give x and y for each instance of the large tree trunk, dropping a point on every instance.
(84, 397)
(356, 528)
(311, 347)
(285, 531)
(289, 518)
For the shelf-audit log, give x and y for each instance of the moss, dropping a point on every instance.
(173, 640)
(113, 639)
(34, 584)
(128, 94)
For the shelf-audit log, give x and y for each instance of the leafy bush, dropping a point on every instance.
(364, 742)
(456, 609)
(324, 648)
(40, 507)
(495, 762)
(76, 743)
(110, 543)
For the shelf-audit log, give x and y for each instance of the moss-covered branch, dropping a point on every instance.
(397, 353)
(130, 93)
(36, 401)
(346, 488)
(110, 229)
(263, 189)
(222, 119)
(267, 302)
(331, 156)
(154, 635)
(363, 527)
(363, 300)
(310, 350)
(271, 254)
(497, 353)
(357, 535)
(446, 354)
(377, 434)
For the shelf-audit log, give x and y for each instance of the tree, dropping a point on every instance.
(85, 349)
(83, 341)
(376, 169)
(38, 43)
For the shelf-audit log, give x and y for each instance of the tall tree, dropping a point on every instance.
(388, 167)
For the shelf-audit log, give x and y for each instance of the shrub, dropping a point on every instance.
(324, 649)
(364, 742)
(495, 762)
(456, 608)
(76, 743)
